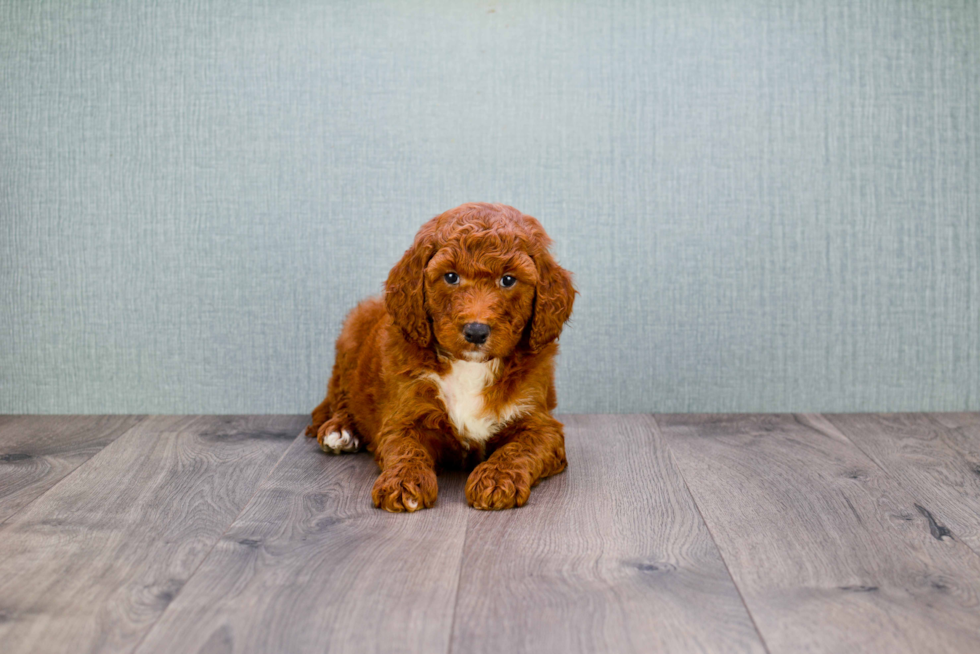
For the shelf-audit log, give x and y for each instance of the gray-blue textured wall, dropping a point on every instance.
(768, 205)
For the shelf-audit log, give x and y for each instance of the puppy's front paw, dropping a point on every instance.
(491, 487)
(408, 488)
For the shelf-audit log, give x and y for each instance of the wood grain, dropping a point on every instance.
(312, 566)
(183, 534)
(963, 435)
(609, 556)
(93, 563)
(36, 452)
(936, 464)
(829, 552)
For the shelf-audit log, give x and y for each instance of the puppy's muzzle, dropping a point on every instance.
(476, 332)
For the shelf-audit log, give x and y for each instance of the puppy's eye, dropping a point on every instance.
(451, 278)
(507, 281)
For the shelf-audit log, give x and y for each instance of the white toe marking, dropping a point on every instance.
(411, 504)
(332, 440)
(342, 441)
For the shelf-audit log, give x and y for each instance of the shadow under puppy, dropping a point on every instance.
(455, 365)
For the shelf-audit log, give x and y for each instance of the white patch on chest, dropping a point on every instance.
(461, 391)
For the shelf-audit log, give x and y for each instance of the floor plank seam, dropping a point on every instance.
(721, 554)
(141, 420)
(459, 583)
(918, 503)
(231, 523)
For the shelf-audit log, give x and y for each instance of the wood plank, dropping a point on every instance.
(93, 563)
(829, 552)
(966, 424)
(609, 556)
(36, 452)
(312, 566)
(938, 465)
(963, 435)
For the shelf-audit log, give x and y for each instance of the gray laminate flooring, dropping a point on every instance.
(667, 533)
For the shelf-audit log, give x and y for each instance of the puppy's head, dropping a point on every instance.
(479, 282)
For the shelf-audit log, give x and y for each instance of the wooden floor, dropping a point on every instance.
(667, 533)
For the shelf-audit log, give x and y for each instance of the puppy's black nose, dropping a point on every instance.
(476, 332)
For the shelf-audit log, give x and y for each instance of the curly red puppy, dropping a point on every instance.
(455, 365)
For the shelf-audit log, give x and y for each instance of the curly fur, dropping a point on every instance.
(408, 386)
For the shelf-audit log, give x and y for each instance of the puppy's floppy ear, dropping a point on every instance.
(405, 289)
(554, 295)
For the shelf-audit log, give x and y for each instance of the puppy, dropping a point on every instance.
(454, 366)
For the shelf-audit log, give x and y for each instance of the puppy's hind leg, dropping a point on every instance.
(333, 426)
(338, 435)
(321, 414)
